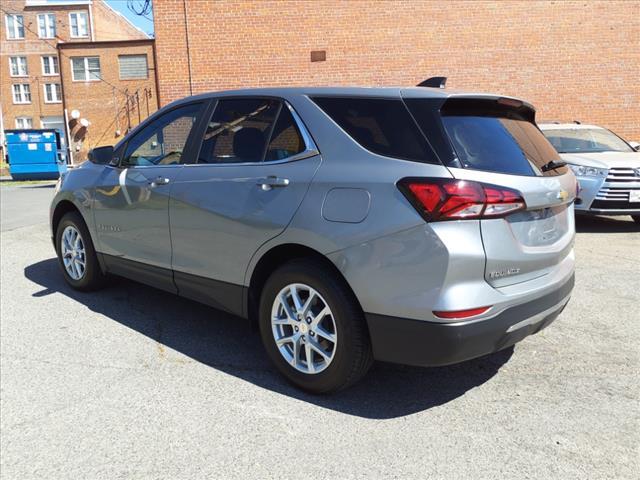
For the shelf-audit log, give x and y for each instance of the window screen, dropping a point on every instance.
(382, 126)
(133, 66)
(239, 130)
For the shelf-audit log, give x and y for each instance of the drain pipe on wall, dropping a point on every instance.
(186, 35)
(91, 22)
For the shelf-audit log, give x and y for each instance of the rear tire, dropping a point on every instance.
(76, 254)
(636, 218)
(332, 327)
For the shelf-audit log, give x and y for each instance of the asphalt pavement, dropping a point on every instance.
(131, 382)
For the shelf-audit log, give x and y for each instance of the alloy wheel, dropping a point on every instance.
(304, 328)
(73, 252)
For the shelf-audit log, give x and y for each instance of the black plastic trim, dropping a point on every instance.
(215, 293)
(153, 276)
(422, 343)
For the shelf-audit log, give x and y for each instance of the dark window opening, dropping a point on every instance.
(382, 126)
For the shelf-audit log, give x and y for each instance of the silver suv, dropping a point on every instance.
(419, 226)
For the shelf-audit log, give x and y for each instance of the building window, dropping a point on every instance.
(24, 122)
(47, 25)
(79, 22)
(50, 65)
(52, 93)
(85, 69)
(15, 26)
(133, 66)
(21, 93)
(18, 66)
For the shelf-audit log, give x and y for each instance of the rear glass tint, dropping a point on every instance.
(489, 137)
(501, 145)
(382, 126)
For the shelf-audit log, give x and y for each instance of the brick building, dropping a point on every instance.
(38, 45)
(572, 59)
(109, 85)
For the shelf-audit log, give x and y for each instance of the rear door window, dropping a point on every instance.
(382, 126)
(239, 130)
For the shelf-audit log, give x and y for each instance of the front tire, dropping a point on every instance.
(76, 254)
(312, 327)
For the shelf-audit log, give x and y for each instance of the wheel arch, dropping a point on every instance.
(274, 258)
(61, 209)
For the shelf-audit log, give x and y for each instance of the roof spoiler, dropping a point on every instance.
(433, 82)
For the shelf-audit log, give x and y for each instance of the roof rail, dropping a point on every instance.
(433, 82)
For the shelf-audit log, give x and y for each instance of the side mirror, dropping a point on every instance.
(635, 146)
(101, 155)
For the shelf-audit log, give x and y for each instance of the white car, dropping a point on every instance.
(607, 167)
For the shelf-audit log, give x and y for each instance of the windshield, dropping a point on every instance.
(586, 140)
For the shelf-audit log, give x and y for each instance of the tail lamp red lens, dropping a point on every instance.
(451, 199)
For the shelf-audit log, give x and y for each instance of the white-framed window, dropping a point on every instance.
(50, 65)
(133, 66)
(47, 25)
(79, 24)
(21, 93)
(85, 69)
(18, 67)
(15, 26)
(52, 93)
(24, 122)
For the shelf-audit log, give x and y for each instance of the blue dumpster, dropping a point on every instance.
(34, 154)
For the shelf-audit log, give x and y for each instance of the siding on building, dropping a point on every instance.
(571, 59)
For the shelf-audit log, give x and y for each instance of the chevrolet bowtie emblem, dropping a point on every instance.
(637, 171)
(563, 195)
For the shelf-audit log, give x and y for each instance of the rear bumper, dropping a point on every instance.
(422, 343)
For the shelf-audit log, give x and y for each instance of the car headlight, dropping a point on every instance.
(582, 171)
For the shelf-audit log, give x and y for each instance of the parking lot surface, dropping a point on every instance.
(131, 382)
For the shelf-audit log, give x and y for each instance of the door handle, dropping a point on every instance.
(270, 182)
(158, 181)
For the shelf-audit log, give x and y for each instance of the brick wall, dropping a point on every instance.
(571, 59)
(107, 24)
(104, 103)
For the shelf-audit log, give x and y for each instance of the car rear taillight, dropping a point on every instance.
(451, 199)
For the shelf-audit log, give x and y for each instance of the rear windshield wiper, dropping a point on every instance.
(552, 165)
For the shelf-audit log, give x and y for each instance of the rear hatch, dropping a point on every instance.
(495, 141)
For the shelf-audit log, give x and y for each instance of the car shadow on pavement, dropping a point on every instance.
(229, 344)
(596, 224)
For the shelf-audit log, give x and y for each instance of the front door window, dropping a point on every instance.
(163, 140)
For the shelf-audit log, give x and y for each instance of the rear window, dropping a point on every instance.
(382, 126)
(492, 138)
